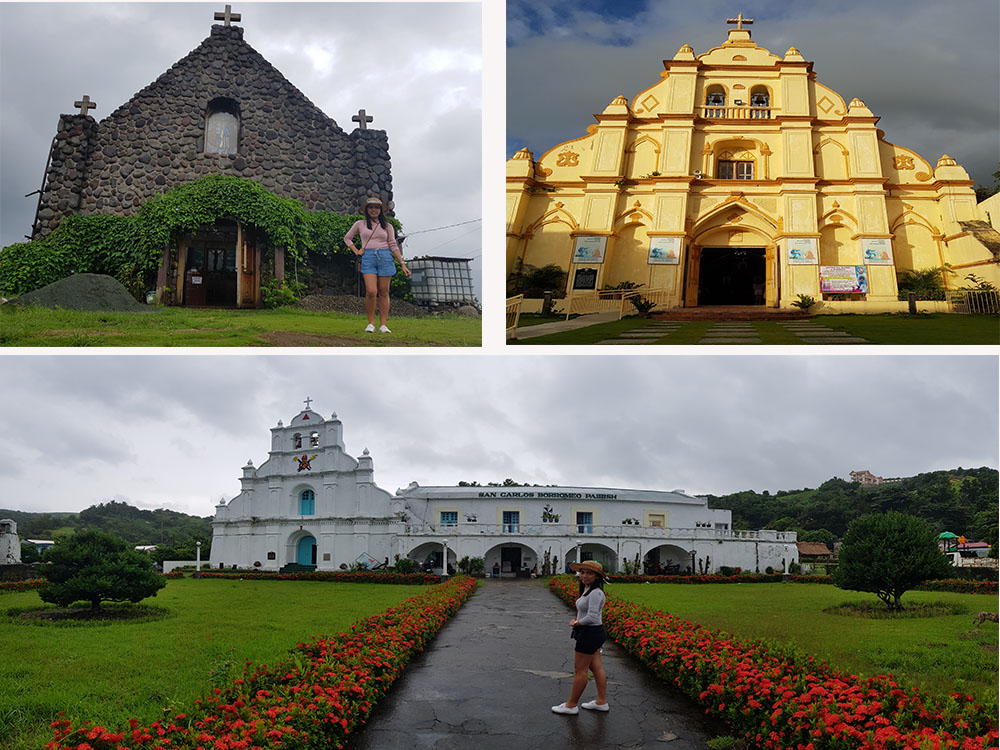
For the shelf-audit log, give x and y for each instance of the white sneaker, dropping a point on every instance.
(384, 329)
(562, 708)
(370, 328)
(595, 706)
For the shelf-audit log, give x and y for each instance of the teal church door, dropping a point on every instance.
(306, 551)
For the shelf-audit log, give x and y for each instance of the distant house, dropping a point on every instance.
(812, 553)
(145, 547)
(40, 544)
(974, 549)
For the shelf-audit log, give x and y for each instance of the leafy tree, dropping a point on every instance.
(94, 567)
(824, 536)
(887, 554)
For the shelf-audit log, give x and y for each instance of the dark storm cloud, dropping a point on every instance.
(928, 69)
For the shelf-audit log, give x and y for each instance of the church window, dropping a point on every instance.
(307, 503)
(297, 440)
(735, 170)
(584, 523)
(656, 520)
(715, 101)
(449, 518)
(271, 556)
(222, 127)
(314, 439)
(511, 521)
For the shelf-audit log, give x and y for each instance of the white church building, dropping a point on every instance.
(311, 505)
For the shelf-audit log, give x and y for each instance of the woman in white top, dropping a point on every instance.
(589, 632)
(378, 247)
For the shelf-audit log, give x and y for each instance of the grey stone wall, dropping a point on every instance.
(155, 141)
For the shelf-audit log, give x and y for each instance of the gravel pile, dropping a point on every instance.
(352, 305)
(89, 292)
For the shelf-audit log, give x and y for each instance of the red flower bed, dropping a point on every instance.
(416, 579)
(13, 586)
(777, 702)
(313, 699)
(955, 586)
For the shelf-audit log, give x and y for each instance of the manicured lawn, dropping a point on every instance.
(110, 673)
(937, 328)
(174, 326)
(939, 655)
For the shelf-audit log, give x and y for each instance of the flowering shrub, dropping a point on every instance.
(174, 574)
(313, 699)
(13, 586)
(777, 700)
(413, 579)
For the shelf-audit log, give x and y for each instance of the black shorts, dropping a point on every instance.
(589, 638)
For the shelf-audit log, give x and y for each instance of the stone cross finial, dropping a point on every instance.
(227, 16)
(739, 21)
(362, 119)
(85, 104)
(308, 401)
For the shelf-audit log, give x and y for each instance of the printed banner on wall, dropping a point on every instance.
(843, 280)
(876, 252)
(589, 249)
(665, 250)
(802, 251)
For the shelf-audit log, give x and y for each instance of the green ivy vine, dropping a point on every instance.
(130, 247)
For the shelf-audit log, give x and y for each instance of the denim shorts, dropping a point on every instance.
(378, 261)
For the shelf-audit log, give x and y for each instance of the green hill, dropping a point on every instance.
(963, 501)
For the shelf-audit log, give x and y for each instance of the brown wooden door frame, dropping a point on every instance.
(693, 268)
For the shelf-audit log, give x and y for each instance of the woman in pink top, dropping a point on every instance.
(378, 247)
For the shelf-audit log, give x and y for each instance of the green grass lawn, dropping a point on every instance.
(176, 326)
(110, 673)
(877, 329)
(939, 655)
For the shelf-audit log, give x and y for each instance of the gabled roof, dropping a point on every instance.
(817, 549)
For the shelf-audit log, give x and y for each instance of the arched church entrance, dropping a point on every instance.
(219, 266)
(597, 552)
(305, 551)
(429, 556)
(514, 559)
(731, 276)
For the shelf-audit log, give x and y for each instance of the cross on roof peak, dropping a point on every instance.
(307, 402)
(227, 16)
(739, 21)
(85, 104)
(362, 119)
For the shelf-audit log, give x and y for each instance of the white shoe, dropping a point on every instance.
(370, 328)
(563, 709)
(384, 329)
(595, 706)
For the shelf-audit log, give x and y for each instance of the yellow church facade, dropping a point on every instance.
(739, 179)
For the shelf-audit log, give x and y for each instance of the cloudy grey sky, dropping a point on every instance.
(415, 67)
(929, 69)
(174, 431)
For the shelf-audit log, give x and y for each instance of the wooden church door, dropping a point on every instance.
(771, 267)
(693, 271)
(249, 268)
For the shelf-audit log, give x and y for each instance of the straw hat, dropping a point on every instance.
(592, 565)
(372, 202)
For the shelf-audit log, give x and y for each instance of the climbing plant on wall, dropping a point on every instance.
(130, 248)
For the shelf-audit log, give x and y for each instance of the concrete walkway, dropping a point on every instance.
(491, 676)
(543, 329)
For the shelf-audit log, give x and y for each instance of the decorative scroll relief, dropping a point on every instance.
(609, 150)
(864, 154)
(597, 215)
(669, 216)
(873, 217)
(568, 159)
(903, 162)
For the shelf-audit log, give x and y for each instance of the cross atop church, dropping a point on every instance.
(227, 16)
(307, 402)
(739, 20)
(362, 119)
(85, 104)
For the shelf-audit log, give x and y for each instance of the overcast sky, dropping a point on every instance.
(929, 69)
(415, 67)
(174, 431)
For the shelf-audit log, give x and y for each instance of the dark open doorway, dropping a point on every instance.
(731, 276)
(210, 266)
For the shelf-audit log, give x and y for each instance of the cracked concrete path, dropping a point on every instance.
(491, 676)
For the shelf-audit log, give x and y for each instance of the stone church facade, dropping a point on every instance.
(220, 110)
(313, 506)
(739, 179)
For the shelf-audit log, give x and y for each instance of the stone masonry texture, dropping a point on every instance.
(155, 141)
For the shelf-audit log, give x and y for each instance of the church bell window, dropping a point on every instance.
(297, 440)
(307, 503)
(314, 439)
(715, 102)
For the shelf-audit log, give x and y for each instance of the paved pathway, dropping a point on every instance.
(491, 676)
(814, 333)
(543, 329)
(736, 332)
